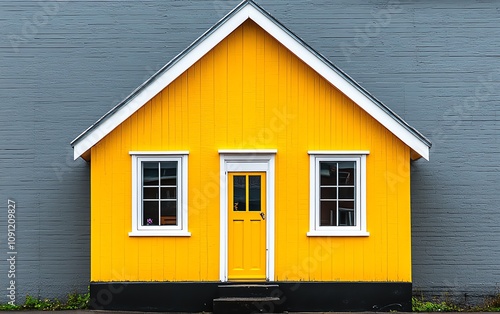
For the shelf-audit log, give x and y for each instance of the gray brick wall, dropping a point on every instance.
(63, 64)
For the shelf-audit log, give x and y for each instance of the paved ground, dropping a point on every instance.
(126, 312)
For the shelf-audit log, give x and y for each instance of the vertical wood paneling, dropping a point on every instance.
(235, 89)
(300, 220)
(155, 132)
(391, 217)
(131, 249)
(262, 137)
(249, 111)
(95, 224)
(250, 92)
(404, 198)
(191, 260)
(207, 137)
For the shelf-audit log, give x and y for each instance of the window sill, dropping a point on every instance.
(338, 233)
(173, 233)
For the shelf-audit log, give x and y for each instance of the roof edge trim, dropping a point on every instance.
(208, 40)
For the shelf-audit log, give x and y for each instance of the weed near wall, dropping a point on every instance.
(74, 301)
(420, 305)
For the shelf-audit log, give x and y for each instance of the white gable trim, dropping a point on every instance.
(248, 10)
(158, 84)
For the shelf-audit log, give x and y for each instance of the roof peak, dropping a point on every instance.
(248, 9)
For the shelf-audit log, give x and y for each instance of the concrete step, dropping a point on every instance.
(247, 298)
(246, 305)
(247, 290)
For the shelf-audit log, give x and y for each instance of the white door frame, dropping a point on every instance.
(246, 161)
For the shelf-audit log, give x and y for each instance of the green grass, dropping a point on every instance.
(74, 301)
(491, 305)
(420, 305)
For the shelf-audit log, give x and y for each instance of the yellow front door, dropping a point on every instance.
(247, 226)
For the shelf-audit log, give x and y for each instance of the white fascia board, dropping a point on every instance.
(339, 82)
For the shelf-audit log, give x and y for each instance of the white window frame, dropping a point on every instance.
(315, 157)
(181, 229)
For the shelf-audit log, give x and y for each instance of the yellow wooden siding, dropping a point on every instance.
(250, 92)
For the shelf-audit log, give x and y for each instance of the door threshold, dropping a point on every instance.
(246, 280)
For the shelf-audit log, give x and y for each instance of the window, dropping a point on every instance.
(337, 194)
(159, 194)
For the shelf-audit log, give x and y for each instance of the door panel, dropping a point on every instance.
(246, 226)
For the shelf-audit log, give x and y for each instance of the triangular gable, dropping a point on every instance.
(250, 10)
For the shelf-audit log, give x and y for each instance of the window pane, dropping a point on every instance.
(347, 172)
(169, 212)
(328, 213)
(328, 172)
(150, 193)
(346, 213)
(169, 193)
(150, 213)
(337, 192)
(239, 193)
(255, 193)
(329, 193)
(346, 193)
(150, 173)
(169, 173)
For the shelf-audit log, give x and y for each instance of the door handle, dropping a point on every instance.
(263, 216)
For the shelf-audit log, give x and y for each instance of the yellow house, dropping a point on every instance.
(250, 174)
